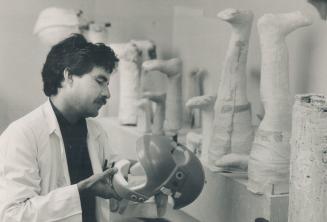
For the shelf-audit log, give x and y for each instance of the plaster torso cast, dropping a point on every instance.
(269, 158)
(232, 130)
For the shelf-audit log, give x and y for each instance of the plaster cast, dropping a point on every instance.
(194, 142)
(147, 49)
(129, 82)
(205, 104)
(308, 160)
(144, 116)
(159, 115)
(55, 24)
(98, 33)
(269, 158)
(172, 69)
(232, 129)
(194, 88)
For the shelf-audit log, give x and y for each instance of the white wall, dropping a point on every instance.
(22, 55)
(200, 40)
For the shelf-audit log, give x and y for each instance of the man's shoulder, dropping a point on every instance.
(33, 120)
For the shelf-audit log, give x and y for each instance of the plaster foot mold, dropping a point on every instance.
(159, 115)
(269, 158)
(144, 116)
(205, 105)
(232, 129)
(194, 88)
(172, 69)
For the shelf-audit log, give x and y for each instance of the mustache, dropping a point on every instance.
(102, 100)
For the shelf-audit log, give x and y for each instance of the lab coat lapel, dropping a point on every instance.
(93, 145)
(55, 134)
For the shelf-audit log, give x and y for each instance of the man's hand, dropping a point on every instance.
(99, 185)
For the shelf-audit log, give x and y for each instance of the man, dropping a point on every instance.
(52, 159)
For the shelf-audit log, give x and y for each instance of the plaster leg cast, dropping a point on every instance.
(172, 68)
(144, 116)
(194, 88)
(194, 143)
(159, 116)
(308, 181)
(205, 104)
(269, 158)
(232, 130)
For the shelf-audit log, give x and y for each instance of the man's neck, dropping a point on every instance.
(68, 111)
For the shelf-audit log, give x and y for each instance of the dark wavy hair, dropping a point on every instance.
(78, 56)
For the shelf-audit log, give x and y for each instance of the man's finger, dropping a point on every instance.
(105, 174)
(109, 172)
(122, 206)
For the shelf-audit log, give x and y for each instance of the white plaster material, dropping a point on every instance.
(98, 32)
(269, 158)
(194, 142)
(129, 82)
(321, 6)
(144, 116)
(159, 115)
(232, 129)
(172, 69)
(308, 181)
(55, 24)
(205, 104)
(233, 161)
(194, 88)
(147, 49)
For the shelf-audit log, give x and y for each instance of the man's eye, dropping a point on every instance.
(101, 82)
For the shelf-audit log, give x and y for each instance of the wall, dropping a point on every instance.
(200, 39)
(22, 55)
(190, 29)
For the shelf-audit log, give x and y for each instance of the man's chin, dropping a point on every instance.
(93, 113)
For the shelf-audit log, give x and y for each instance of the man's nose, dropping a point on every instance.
(106, 92)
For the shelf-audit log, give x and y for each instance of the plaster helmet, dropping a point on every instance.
(166, 167)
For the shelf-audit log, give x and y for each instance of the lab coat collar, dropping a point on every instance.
(53, 125)
(51, 119)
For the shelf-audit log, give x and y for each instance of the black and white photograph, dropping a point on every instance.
(163, 111)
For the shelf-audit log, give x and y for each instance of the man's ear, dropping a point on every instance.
(68, 76)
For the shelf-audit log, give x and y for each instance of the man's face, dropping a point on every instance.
(90, 91)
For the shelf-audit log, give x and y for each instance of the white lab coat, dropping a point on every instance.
(34, 178)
